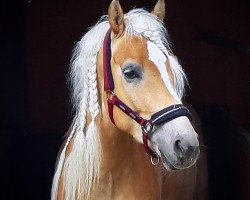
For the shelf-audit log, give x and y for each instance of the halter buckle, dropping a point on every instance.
(110, 94)
(147, 128)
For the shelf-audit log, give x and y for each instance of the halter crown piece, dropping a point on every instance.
(160, 117)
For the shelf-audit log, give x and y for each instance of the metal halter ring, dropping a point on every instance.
(147, 128)
(155, 163)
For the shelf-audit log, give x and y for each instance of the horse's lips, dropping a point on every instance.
(173, 166)
(170, 165)
(167, 164)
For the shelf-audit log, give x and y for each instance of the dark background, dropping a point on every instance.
(210, 37)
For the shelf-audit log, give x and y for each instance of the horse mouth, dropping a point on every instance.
(167, 164)
(178, 164)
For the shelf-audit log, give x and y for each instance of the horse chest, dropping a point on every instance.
(121, 189)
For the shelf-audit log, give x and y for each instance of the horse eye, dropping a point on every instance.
(130, 74)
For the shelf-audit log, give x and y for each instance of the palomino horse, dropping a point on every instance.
(126, 88)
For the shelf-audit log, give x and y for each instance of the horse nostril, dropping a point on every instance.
(178, 148)
(177, 143)
(186, 152)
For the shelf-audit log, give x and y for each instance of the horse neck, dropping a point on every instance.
(118, 148)
(124, 165)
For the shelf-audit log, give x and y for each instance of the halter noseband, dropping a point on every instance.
(160, 117)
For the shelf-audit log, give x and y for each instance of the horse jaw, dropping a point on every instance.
(176, 143)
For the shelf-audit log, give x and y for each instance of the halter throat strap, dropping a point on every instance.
(163, 116)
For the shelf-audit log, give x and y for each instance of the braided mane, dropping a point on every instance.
(80, 169)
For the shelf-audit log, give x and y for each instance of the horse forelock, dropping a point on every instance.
(84, 159)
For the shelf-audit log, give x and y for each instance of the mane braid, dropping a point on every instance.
(80, 168)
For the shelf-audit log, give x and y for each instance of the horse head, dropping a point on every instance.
(147, 78)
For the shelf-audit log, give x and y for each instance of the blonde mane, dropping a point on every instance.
(80, 169)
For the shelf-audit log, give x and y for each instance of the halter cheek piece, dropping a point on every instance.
(160, 117)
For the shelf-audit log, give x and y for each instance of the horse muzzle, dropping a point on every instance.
(186, 156)
(177, 144)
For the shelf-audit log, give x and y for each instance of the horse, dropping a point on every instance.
(131, 136)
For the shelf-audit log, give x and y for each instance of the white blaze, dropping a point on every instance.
(159, 59)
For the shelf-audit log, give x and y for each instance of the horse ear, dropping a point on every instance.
(159, 9)
(116, 18)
